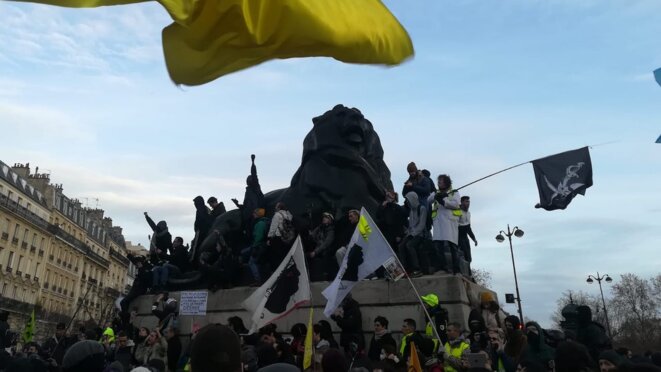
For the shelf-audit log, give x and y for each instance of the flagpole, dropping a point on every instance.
(417, 294)
(492, 174)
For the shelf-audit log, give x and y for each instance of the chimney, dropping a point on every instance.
(107, 223)
(117, 230)
(22, 170)
(39, 182)
(95, 214)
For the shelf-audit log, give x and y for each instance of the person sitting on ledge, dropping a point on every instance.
(217, 208)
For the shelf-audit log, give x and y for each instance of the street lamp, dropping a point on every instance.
(500, 238)
(608, 279)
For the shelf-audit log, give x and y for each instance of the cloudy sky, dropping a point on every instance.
(84, 95)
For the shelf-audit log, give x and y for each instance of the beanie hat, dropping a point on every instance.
(141, 369)
(486, 297)
(430, 299)
(329, 216)
(260, 212)
(86, 355)
(411, 167)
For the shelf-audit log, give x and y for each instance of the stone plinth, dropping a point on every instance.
(394, 300)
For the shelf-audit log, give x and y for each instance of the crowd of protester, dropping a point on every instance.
(492, 342)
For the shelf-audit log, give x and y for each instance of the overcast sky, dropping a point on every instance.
(84, 95)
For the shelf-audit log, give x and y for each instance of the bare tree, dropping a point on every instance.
(635, 311)
(579, 298)
(481, 277)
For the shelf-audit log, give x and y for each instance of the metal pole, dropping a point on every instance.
(516, 281)
(603, 301)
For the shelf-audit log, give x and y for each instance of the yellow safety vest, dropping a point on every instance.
(434, 209)
(429, 331)
(456, 352)
(405, 340)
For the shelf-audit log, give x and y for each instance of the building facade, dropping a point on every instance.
(56, 256)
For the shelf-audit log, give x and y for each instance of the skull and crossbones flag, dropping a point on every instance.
(561, 177)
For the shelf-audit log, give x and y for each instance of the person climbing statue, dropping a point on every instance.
(253, 198)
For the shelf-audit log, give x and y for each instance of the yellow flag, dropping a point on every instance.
(224, 36)
(364, 228)
(28, 332)
(414, 362)
(307, 355)
(84, 3)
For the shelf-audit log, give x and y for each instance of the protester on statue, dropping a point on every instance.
(321, 258)
(392, 219)
(455, 347)
(349, 318)
(253, 198)
(217, 208)
(166, 309)
(500, 361)
(440, 317)
(410, 249)
(418, 183)
(590, 333)
(57, 346)
(515, 339)
(280, 236)
(203, 222)
(161, 241)
(255, 255)
(381, 337)
(140, 285)
(445, 213)
(179, 260)
(465, 230)
(410, 334)
(353, 216)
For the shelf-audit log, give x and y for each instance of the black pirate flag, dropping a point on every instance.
(561, 177)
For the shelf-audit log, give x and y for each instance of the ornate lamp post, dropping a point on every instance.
(608, 279)
(500, 238)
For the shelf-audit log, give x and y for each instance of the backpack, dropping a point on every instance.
(287, 231)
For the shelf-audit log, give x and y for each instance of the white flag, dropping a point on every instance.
(366, 252)
(287, 289)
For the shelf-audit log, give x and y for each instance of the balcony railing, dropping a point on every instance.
(46, 285)
(119, 257)
(21, 211)
(51, 257)
(14, 241)
(18, 273)
(24, 245)
(27, 276)
(33, 249)
(5, 236)
(8, 269)
(41, 253)
(82, 247)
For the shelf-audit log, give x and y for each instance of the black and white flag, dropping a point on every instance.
(562, 176)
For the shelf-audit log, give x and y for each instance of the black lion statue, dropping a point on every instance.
(342, 168)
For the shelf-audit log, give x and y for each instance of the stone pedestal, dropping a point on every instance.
(394, 300)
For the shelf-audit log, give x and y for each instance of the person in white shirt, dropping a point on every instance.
(445, 223)
(465, 230)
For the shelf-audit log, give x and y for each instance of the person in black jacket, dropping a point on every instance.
(174, 348)
(391, 218)
(349, 318)
(252, 199)
(161, 241)
(216, 208)
(140, 285)
(4, 330)
(381, 337)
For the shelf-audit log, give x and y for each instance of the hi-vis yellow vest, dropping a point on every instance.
(455, 352)
(429, 331)
(434, 208)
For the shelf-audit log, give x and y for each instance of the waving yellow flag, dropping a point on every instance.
(309, 348)
(230, 35)
(212, 38)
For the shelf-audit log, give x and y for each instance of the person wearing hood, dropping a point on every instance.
(537, 349)
(455, 348)
(203, 221)
(445, 213)
(321, 256)
(440, 317)
(417, 182)
(516, 340)
(410, 248)
(381, 337)
(590, 333)
(161, 241)
(609, 361)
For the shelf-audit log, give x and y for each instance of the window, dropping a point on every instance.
(28, 266)
(20, 200)
(14, 293)
(25, 235)
(29, 207)
(47, 274)
(20, 259)
(10, 261)
(16, 229)
(5, 228)
(43, 242)
(4, 289)
(34, 240)
(36, 270)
